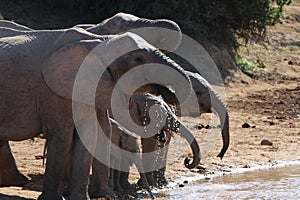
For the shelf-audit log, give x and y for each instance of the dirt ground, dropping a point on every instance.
(269, 103)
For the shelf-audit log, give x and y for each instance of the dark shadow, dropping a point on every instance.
(294, 43)
(35, 183)
(10, 197)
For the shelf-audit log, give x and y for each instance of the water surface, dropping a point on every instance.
(279, 183)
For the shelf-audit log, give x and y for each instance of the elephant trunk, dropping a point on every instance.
(186, 133)
(141, 171)
(219, 106)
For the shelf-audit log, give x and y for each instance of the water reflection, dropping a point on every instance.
(281, 183)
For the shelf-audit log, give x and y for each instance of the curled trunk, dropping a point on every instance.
(186, 133)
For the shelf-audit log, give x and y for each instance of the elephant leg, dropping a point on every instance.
(159, 173)
(114, 177)
(99, 186)
(81, 163)
(9, 173)
(149, 146)
(124, 181)
(59, 145)
(116, 187)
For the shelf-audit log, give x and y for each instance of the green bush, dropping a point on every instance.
(223, 21)
(248, 66)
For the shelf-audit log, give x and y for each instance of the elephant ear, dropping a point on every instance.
(76, 65)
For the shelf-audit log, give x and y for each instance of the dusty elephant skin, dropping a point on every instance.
(125, 141)
(137, 105)
(162, 33)
(207, 99)
(30, 86)
(139, 110)
(118, 23)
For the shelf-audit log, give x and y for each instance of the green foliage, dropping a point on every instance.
(247, 66)
(217, 20)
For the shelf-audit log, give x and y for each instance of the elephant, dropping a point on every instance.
(207, 100)
(139, 111)
(161, 33)
(30, 84)
(123, 139)
(167, 33)
(126, 154)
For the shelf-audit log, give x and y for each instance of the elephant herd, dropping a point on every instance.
(39, 72)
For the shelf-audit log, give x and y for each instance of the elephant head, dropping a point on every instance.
(207, 100)
(140, 105)
(161, 33)
(108, 58)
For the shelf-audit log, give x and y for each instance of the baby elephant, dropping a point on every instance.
(125, 151)
(154, 151)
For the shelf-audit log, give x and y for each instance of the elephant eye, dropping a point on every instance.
(139, 59)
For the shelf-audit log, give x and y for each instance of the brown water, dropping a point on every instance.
(279, 183)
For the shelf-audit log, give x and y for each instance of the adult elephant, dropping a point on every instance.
(207, 101)
(162, 33)
(38, 69)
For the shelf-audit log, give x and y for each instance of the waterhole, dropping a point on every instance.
(279, 183)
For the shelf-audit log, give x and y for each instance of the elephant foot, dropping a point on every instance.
(50, 196)
(159, 177)
(151, 181)
(117, 189)
(77, 196)
(102, 193)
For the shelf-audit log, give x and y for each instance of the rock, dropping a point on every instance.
(201, 168)
(200, 126)
(271, 123)
(246, 125)
(266, 142)
(208, 126)
(246, 166)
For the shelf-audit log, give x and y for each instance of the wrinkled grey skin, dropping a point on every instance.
(9, 173)
(124, 22)
(161, 33)
(207, 99)
(139, 105)
(24, 116)
(127, 142)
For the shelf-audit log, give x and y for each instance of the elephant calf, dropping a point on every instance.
(125, 152)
